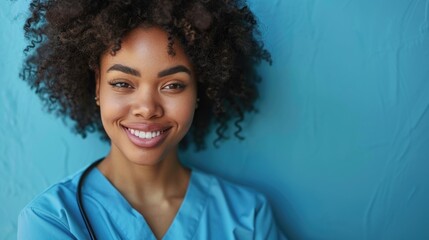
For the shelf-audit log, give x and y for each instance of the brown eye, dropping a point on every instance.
(120, 84)
(174, 86)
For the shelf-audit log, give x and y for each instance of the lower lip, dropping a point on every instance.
(146, 143)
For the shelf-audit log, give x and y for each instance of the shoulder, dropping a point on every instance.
(56, 195)
(50, 212)
(235, 198)
(242, 208)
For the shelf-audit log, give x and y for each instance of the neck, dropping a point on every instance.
(140, 183)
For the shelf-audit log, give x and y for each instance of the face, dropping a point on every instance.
(147, 98)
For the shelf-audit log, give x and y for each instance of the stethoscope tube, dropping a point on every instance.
(79, 198)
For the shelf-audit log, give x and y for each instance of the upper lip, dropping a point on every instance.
(147, 127)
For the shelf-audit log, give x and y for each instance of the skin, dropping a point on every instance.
(141, 86)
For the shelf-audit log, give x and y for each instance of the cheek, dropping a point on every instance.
(112, 107)
(183, 110)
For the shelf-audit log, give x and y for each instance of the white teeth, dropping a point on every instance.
(144, 135)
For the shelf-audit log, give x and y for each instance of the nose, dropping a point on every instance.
(147, 105)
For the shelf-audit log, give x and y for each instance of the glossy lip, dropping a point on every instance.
(147, 143)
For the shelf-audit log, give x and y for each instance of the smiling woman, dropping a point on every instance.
(161, 73)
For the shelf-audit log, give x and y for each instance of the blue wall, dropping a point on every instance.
(341, 142)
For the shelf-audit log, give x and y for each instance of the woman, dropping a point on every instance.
(149, 75)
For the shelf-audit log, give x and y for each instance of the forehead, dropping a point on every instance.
(146, 48)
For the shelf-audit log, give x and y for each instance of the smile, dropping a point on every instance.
(145, 135)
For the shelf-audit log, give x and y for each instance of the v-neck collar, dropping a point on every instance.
(125, 217)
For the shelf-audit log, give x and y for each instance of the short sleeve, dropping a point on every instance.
(265, 225)
(35, 225)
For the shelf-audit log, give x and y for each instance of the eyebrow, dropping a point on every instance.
(124, 69)
(163, 73)
(173, 70)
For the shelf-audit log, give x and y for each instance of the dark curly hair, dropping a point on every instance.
(67, 38)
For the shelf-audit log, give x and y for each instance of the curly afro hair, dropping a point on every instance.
(67, 38)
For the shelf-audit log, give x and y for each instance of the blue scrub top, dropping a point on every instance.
(212, 209)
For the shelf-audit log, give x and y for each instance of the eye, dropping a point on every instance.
(174, 86)
(120, 85)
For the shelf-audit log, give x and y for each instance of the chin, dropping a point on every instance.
(149, 157)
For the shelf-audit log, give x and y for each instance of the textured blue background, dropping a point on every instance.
(340, 145)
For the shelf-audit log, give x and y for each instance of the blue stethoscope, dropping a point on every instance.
(79, 198)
